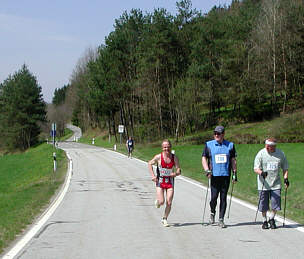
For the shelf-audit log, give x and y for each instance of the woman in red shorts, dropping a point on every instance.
(166, 162)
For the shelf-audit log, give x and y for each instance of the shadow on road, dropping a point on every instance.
(185, 224)
(252, 223)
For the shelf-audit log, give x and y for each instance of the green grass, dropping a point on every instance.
(27, 183)
(67, 134)
(246, 188)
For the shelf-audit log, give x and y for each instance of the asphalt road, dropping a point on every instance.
(108, 212)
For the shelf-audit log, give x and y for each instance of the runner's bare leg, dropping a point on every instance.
(169, 198)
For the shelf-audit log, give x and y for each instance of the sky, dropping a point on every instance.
(49, 37)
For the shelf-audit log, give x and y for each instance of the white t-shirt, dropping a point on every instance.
(270, 163)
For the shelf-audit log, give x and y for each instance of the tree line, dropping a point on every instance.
(160, 74)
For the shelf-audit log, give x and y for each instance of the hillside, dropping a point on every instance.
(288, 128)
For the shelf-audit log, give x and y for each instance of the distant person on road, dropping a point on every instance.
(130, 146)
(267, 165)
(218, 159)
(166, 162)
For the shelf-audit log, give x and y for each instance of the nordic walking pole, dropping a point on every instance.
(256, 214)
(230, 200)
(206, 199)
(285, 206)
(234, 180)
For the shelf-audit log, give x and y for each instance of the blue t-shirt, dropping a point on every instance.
(219, 156)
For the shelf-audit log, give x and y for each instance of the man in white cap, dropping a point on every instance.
(218, 160)
(267, 165)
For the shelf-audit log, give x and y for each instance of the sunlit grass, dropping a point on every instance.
(246, 188)
(27, 183)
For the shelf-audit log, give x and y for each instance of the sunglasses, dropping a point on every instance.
(217, 133)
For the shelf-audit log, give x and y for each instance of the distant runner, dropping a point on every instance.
(130, 146)
(164, 179)
(218, 159)
(267, 165)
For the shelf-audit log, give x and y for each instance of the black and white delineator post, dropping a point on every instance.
(55, 162)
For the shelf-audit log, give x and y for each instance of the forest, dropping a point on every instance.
(161, 75)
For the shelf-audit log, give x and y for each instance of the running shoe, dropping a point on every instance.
(265, 225)
(165, 222)
(212, 218)
(272, 224)
(221, 223)
(156, 204)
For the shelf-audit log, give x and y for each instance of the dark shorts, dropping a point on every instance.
(130, 149)
(274, 196)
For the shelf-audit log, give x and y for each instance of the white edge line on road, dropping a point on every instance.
(291, 224)
(36, 226)
(288, 223)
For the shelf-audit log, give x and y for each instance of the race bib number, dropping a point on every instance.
(165, 172)
(272, 166)
(220, 158)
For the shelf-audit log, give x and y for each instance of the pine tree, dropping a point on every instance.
(21, 109)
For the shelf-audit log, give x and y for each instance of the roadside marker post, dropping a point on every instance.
(55, 162)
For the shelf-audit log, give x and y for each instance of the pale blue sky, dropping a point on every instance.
(50, 36)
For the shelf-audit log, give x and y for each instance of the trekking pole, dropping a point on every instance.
(259, 201)
(285, 206)
(230, 200)
(206, 200)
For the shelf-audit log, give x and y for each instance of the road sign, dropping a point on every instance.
(121, 128)
(53, 133)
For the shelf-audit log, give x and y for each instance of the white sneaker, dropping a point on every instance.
(165, 223)
(156, 204)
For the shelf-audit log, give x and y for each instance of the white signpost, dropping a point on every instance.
(121, 129)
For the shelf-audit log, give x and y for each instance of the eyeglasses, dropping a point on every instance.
(217, 133)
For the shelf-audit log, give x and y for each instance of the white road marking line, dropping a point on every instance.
(32, 232)
(48, 213)
(291, 224)
(288, 223)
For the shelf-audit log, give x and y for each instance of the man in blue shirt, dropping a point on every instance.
(218, 159)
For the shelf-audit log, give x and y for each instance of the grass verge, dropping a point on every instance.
(27, 184)
(246, 188)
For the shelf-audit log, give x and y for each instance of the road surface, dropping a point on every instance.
(108, 212)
